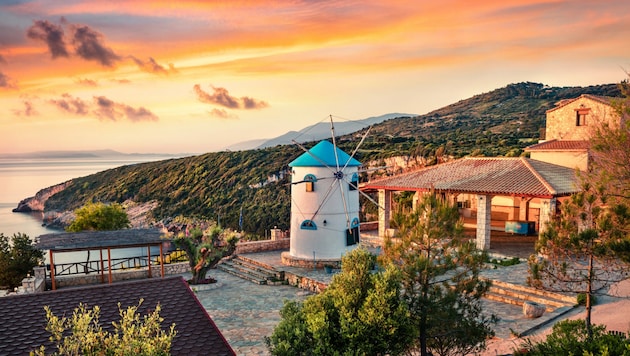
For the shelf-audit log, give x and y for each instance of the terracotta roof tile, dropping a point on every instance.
(495, 176)
(560, 145)
(23, 320)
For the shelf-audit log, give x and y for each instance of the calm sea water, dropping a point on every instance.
(20, 179)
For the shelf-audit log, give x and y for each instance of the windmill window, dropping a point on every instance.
(308, 225)
(580, 116)
(309, 181)
(354, 182)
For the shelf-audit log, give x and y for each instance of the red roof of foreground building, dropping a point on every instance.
(487, 175)
(560, 145)
(23, 319)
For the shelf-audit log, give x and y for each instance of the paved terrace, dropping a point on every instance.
(246, 313)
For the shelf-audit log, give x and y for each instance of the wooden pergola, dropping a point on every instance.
(100, 240)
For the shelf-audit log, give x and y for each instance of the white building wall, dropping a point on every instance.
(325, 203)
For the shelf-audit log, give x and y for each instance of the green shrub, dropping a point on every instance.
(570, 337)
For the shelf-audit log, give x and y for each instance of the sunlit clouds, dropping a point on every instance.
(198, 76)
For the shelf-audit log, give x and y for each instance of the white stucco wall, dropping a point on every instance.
(325, 203)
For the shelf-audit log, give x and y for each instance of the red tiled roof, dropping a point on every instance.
(599, 98)
(560, 145)
(23, 319)
(494, 176)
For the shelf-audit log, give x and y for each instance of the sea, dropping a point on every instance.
(23, 178)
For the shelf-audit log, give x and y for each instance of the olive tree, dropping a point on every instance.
(99, 217)
(82, 333)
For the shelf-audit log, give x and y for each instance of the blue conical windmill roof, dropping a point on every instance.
(322, 155)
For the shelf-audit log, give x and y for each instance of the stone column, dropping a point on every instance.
(484, 217)
(384, 211)
(547, 211)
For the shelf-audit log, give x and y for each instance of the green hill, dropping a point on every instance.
(216, 185)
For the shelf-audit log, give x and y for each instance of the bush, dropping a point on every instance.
(581, 299)
(570, 337)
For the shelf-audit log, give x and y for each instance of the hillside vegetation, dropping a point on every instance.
(217, 185)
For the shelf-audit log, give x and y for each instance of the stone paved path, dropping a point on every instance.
(246, 313)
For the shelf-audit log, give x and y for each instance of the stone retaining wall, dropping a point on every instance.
(304, 282)
(262, 246)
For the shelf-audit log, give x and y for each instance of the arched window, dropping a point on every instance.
(308, 225)
(310, 180)
(354, 182)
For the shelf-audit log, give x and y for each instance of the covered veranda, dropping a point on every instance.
(506, 195)
(103, 242)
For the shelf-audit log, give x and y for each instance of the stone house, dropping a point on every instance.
(515, 195)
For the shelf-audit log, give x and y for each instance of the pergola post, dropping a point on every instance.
(161, 260)
(52, 270)
(109, 264)
(484, 217)
(384, 211)
(149, 259)
(102, 266)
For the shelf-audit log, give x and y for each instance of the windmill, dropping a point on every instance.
(324, 202)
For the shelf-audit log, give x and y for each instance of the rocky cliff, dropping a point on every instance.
(37, 202)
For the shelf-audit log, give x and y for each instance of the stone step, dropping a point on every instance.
(252, 270)
(268, 271)
(565, 299)
(517, 295)
(228, 267)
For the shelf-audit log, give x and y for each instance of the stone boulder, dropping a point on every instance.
(533, 310)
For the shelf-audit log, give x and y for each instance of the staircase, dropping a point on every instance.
(252, 271)
(514, 294)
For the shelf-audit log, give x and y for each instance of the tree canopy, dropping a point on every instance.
(99, 216)
(18, 256)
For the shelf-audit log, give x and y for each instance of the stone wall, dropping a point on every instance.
(262, 246)
(304, 282)
(561, 121)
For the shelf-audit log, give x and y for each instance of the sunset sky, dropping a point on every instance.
(197, 76)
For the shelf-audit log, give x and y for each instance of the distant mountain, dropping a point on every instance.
(104, 154)
(316, 132)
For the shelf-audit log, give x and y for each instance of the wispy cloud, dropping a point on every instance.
(221, 114)
(71, 105)
(27, 110)
(222, 97)
(151, 66)
(88, 44)
(51, 34)
(109, 109)
(2, 60)
(103, 108)
(87, 82)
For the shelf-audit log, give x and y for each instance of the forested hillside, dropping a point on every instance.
(216, 185)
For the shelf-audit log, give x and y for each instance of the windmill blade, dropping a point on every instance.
(332, 129)
(370, 198)
(324, 200)
(345, 203)
(357, 148)
(312, 155)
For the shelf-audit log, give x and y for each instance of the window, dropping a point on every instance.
(310, 180)
(580, 116)
(308, 225)
(354, 182)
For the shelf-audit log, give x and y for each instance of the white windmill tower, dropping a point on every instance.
(324, 205)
